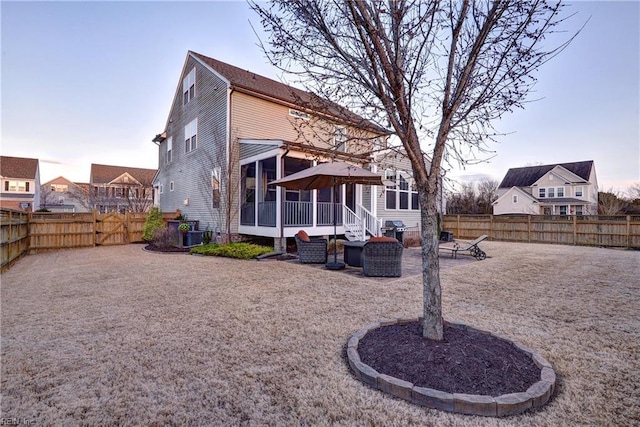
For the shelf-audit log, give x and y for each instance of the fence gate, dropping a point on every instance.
(111, 229)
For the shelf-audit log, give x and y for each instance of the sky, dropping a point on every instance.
(92, 82)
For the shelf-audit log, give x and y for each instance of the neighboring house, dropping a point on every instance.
(63, 195)
(20, 183)
(558, 189)
(231, 132)
(120, 189)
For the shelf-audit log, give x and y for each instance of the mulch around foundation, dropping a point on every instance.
(464, 362)
(166, 249)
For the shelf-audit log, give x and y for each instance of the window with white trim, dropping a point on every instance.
(563, 210)
(191, 136)
(560, 191)
(215, 187)
(171, 186)
(169, 149)
(18, 186)
(403, 194)
(578, 191)
(542, 193)
(514, 198)
(579, 210)
(340, 138)
(390, 190)
(298, 114)
(189, 86)
(551, 192)
(160, 189)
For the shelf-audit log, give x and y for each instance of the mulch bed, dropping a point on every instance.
(464, 362)
(167, 249)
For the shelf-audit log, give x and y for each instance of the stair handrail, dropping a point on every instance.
(370, 222)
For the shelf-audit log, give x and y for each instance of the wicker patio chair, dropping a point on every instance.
(311, 251)
(382, 257)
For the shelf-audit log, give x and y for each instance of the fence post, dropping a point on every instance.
(491, 226)
(529, 228)
(458, 227)
(628, 231)
(95, 227)
(575, 230)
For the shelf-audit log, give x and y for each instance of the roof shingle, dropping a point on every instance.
(18, 167)
(527, 176)
(103, 174)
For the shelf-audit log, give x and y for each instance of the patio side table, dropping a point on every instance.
(353, 253)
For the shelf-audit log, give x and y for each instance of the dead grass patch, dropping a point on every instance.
(114, 335)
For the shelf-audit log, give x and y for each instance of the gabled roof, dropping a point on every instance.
(104, 174)
(59, 180)
(527, 176)
(18, 167)
(254, 84)
(518, 190)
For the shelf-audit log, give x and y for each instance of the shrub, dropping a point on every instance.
(152, 223)
(232, 250)
(164, 237)
(411, 242)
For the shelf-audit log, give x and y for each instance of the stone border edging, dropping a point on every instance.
(535, 396)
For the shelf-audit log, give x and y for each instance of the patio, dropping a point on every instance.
(115, 335)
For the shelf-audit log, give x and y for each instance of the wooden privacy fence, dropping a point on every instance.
(14, 235)
(32, 232)
(612, 231)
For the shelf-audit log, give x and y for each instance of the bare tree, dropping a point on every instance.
(439, 70)
(634, 191)
(610, 202)
(487, 194)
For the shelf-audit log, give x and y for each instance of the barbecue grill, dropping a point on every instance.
(394, 228)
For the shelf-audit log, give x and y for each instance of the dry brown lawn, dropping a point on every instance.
(117, 336)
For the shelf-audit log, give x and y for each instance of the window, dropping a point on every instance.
(579, 210)
(390, 190)
(340, 138)
(118, 192)
(514, 198)
(215, 187)
(403, 192)
(16, 186)
(563, 210)
(189, 86)
(560, 191)
(298, 114)
(579, 191)
(169, 149)
(541, 193)
(171, 186)
(160, 189)
(190, 136)
(551, 192)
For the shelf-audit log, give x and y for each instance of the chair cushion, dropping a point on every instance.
(383, 239)
(302, 235)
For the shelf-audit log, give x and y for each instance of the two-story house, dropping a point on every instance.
(120, 188)
(231, 132)
(558, 189)
(63, 195)
(20, 179)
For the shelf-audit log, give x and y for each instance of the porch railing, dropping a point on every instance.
(294, 214)
(325, 213)
(371, 223)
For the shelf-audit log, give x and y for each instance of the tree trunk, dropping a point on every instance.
(431, 292)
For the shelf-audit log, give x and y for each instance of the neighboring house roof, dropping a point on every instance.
(104, 174)
(59, 180)
(255, 84)
(518, 190)
(527, 176)
(18, 167)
